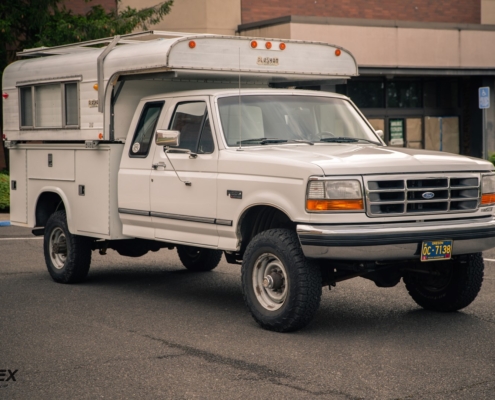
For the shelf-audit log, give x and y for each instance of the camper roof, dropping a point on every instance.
(212, 57)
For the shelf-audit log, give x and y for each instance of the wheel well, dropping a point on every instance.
(48, 203)
(259, 219)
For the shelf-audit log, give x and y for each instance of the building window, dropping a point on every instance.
(49, 106)
(404, 94)
(441, 93)
(367, 94)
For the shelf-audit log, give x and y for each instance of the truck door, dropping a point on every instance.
(180, 212)
(134, 173)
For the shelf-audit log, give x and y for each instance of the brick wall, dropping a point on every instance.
(82, 7)
(455, 11)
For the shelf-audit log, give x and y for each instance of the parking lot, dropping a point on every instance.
(148, 328)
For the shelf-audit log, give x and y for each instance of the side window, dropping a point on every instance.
(145, 129)
(192, 120)
(206, 145)
(54, 105)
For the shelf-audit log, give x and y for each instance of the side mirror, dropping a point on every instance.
(379, 132)
(167, 138)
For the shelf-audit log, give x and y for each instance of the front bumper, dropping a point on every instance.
(394, 241)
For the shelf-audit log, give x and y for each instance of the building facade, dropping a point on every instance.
(421, 62)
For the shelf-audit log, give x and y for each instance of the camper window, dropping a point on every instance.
(49, 106)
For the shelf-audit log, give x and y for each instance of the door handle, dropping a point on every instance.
(159, 166)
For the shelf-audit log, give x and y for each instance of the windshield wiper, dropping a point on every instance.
(301, 141)
(262, 141)
(274, 140)
(347, 140)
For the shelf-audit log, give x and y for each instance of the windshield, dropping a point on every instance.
(268, 119)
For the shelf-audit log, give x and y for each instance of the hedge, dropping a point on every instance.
(4, 191)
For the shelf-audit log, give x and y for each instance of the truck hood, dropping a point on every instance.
(352, 159)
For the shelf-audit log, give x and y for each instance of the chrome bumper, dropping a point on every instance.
(397, 241)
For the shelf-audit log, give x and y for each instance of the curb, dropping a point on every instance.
(4, 223)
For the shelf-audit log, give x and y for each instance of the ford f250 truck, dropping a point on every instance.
(203, 144)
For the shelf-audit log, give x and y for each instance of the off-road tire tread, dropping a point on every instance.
(208, 259)
(461, 293)
(78, 259)
(303, 302)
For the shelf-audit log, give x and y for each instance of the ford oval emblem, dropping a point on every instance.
(428, 195)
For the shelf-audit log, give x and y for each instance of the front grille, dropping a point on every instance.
(390, 195)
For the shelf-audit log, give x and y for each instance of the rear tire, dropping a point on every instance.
(67, 256)
(198, 259)
(281, 288)
(456, 286)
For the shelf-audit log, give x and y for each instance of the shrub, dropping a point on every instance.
(491, 158)
(4, 191)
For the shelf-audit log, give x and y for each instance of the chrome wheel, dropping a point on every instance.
(270, 281)
(58, 248)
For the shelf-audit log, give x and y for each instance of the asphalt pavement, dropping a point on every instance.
(147, 328)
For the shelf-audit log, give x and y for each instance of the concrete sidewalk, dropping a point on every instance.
(4, 216)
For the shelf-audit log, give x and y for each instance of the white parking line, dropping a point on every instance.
(26, 238)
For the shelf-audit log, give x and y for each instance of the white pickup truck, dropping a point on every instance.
(202, 143)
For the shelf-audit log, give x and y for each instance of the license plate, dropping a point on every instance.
(436, 250)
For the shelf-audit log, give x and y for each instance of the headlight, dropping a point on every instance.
(341, 195)
(488, 190)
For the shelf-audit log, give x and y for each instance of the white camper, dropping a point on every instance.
(204, 143)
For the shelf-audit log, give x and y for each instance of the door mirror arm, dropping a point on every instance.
(166, 150)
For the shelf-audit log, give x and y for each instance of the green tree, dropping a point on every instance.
(33, 23)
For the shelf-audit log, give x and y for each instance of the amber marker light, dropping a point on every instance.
(192, 44)
(268, 45)
(254, 44)
(488, 198)
(95, 86)
(487, 190)
(282, 46)
(338, 52)
(100, 136)
(335, 205)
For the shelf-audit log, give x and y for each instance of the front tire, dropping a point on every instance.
(455, 285)
(197, 259)
(281, 288)
(67, 256)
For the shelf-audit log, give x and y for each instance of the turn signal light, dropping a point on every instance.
(254, 44)
(338, 52)
(335, 205)
(488, 198)
(192, 44)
